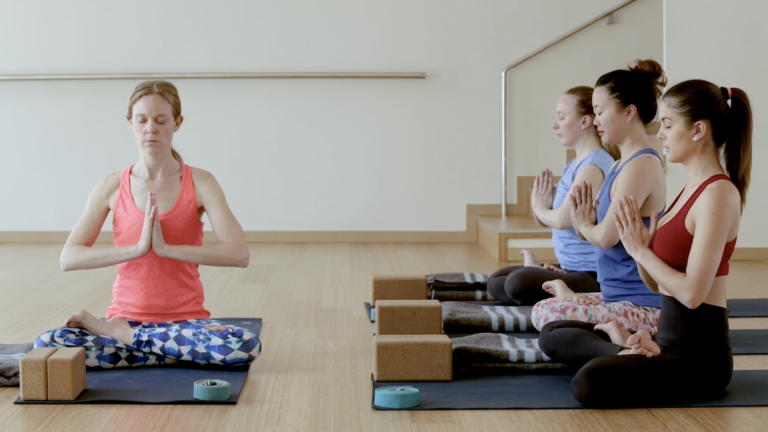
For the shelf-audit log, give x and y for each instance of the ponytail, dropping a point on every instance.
(737, 152)
(176, 155)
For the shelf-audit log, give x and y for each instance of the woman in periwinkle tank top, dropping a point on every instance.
(157, 314)
(624, 102)
(522, 285)
(683, 255)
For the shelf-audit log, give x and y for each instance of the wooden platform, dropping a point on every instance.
(315, 371)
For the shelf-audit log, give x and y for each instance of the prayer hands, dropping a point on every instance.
(634, 235)
(583, 208)
(150, 213)
(543, 194)
(158, 242)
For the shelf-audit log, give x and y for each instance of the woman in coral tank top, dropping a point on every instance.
(157, 314)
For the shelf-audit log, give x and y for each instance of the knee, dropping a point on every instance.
(495, 286)
(248, 348)
(45, 340)
(546, 343)
(593, 386)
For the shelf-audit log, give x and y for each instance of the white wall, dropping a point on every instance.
(707, 39)
(534, 87)
(292, 154)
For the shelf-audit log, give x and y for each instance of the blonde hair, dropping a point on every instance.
(167, 91)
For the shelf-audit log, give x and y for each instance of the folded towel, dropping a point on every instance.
(9, 362)
(457, 281)
(468, 295)
(500, 351)
(464, 318)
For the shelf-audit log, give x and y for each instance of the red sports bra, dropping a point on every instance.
(673, 241)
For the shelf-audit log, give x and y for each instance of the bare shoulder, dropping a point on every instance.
(642, 166)
(720, 197)
(590, 171)
(107, 187)
(202, 178)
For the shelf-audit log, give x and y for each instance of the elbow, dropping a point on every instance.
(606, 243)
(66, 264)
(244, 257)
(692, 301)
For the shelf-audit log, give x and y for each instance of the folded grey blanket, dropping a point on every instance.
(467, 295)
(500, 351)
(457, 281)
(9, 362)
(461, 318)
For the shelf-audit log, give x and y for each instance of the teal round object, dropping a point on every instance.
(212, 390)
(396, 397)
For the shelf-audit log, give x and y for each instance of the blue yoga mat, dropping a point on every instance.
(172, 384)
(747, 388)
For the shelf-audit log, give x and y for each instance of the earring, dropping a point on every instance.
(695, 138)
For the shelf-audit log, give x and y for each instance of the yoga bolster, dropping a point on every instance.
(212, 390)
(33, 371)
(396, 397)
(414, 317)
(399, 288)
(412, 358)
(66, 374)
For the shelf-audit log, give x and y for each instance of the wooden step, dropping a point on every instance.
(503, 237)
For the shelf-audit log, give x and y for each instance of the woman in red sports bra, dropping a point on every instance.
(157, 314)
(684, 256)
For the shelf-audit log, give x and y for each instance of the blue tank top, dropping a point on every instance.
(572, 252)
(616, 271)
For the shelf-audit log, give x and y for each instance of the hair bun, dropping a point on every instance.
(652, 71)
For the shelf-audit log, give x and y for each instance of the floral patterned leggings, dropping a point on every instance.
(630, 316)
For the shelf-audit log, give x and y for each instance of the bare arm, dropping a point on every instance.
(560, 218)
(231, 250)
(713, 214)
(631, 182)
(78, 252)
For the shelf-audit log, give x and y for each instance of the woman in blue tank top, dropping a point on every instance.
(624, 102)
(522, 285)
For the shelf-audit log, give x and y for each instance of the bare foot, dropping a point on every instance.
(217, 327)
(642, 343)
(616, 332)
(556, 288)
(560, 290)
(116, 328)
(530, 259)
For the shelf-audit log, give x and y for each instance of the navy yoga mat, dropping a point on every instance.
(747, 308)
(747, 388)
(160, 384)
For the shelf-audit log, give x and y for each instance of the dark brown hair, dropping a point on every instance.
(697, 100)
(583, 95)
(167, 91)
(639, 85)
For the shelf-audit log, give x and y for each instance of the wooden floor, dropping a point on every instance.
(314, 374)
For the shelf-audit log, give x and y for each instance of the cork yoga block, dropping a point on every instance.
(66, 374)
(412, 358)
(409, 317)
(33, 371)
(399, 288)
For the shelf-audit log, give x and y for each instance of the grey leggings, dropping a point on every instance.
(521, 286)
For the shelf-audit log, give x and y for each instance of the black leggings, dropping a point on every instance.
(521, 286)
(697, 366)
